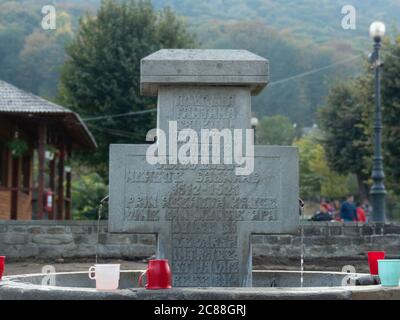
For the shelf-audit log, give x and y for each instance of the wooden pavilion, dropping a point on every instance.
(36, 138)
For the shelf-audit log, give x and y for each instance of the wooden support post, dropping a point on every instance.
(60, 191)
(53, 185)
(68, 205)
(15, 188)
(42, 160)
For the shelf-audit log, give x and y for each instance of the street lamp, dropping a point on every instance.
(254, 124)
(378, 191)
(377, 30)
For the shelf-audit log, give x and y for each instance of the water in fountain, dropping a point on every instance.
(98, 226)
(301, 246)
(99, 212)
(302, 256)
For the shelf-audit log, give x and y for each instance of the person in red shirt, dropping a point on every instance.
(360, 213)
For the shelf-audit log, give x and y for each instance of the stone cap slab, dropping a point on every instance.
(203, 67)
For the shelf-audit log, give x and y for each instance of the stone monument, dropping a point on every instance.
(204, 213)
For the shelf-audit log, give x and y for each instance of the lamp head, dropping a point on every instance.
(377, 30)
(254, 122)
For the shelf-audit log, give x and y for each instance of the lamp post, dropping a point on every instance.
(254, 124)
(378, 191)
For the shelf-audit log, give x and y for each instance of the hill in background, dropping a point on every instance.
(296, 36)
(318, 20)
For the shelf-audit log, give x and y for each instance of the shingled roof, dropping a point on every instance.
(14, 101)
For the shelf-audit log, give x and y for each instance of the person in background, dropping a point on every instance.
(336, 212)
(367, 209)
(348, 210)
(323, 214)
(330, 207)
(360, 213)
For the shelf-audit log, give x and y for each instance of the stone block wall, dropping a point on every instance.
(44, 240)
(331, 240)
(69, 240)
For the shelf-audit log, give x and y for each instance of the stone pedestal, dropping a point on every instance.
(204, 214)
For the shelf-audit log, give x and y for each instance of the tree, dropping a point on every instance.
(346, 123)
(297, 99)
(348, 119)
(87, 191)
(391, 113)
(15, 24)
(42, 55)
(102, 73)
(31, 57)
(275, 130)
(316, 178)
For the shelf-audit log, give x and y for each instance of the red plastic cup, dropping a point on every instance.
(2, 259)
(373, 257)
(158, 275)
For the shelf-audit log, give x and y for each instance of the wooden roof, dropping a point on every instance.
(19, 103)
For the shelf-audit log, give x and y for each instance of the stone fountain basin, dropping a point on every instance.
(266, 285)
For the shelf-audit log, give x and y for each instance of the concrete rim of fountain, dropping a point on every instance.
(28, 287)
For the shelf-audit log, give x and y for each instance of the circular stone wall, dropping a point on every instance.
(267, 285)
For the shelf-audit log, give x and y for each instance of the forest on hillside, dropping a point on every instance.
(319, 20)
(296, 36)
(91, 63)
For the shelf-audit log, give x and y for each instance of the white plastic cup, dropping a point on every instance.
(106, 276)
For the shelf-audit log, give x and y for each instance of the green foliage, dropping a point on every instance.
(317, 19)
(393, 206)
(316, 178)
(284, 31)
(40, 48)
(102, 73)
(17, 147)
(87, 192)
(275, 130)
(391, 112)
(346, 122)
(298, 99)
(30, 57)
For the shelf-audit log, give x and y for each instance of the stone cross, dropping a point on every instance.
(204, 214)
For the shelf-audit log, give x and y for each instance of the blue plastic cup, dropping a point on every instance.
(389, 272)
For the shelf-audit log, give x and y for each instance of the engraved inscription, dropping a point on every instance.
(198, 111)
(203, 204)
